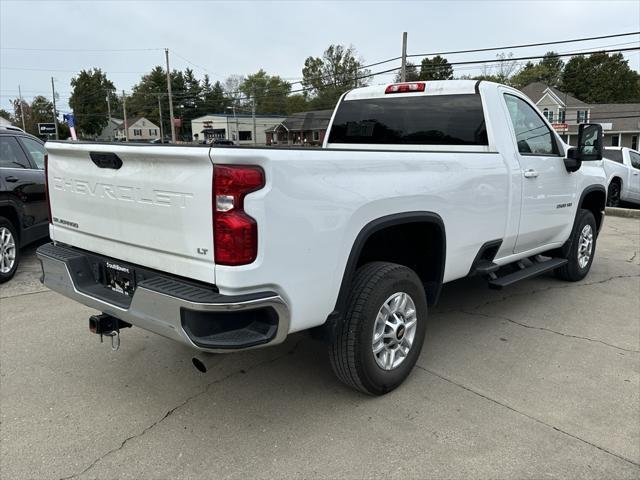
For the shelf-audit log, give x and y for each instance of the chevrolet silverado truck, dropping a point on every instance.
(230, 248)
(622, 167)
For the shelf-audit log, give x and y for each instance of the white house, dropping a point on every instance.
(238, 128)
(109, 132)
(140, 130)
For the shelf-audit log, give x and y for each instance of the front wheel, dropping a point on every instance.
(384, 327)
(583, 248)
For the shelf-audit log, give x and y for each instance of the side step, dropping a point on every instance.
(535, 269)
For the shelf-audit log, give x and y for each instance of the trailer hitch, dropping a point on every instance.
(107, 326)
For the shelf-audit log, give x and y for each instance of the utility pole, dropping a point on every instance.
(403, 71)
(109, 113)
(55, 116)
(253, 116)
(160, 115)
(173, 127)
(124, 111)
(21, 109)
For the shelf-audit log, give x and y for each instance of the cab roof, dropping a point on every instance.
(435, 87)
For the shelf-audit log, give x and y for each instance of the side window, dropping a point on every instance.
(635, 160)
(11, 155)
(36, 150)
(532, 134)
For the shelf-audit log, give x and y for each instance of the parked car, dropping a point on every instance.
(418, 184)
(23, 206)
(622, 166)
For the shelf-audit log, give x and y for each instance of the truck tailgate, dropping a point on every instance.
(155, 209)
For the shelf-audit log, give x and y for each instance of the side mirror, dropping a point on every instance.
(590, 143)
(590, 146)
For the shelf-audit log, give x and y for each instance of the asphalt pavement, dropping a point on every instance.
(538, 380)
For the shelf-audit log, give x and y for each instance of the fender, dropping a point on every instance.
(433, 289)
(563, 252)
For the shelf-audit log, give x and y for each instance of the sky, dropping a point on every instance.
(126, 39)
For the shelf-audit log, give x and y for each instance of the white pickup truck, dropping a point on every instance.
(230, 248)
(622, 167)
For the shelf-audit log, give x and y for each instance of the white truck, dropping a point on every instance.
(622, 167)
(230, 248)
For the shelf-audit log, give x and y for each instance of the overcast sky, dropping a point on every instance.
(240, 37)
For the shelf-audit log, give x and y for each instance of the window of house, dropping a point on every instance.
(153, 131)
(245, 135)
(316, 136)
(615, 140)
(532, 134)
(635, 160)
(137, 132)
(582, 116)
(634, 142)
(561, 116)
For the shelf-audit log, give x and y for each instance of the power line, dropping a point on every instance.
(97, 50)
(526, 45)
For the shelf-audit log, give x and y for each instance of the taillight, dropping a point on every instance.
(405, 87)
(46, 186)
(235, 232)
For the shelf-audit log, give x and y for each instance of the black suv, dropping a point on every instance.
(23, 204)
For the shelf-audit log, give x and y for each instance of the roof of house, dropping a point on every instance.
(302, 121)
(239, 115)
(4, 122)
(536, 90)
(133, 120)
(623, 116)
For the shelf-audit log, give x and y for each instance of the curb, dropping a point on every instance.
(622, 212)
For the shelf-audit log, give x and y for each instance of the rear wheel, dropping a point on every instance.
(583, 248)
(383, 331)
(9, 251)
(613, 194)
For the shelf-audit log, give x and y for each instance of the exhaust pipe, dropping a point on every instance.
(204, 361)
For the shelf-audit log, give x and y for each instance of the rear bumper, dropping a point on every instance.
(190, 313)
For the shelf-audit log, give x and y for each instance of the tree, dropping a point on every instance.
(232, 89)
(40, 110)
(548, 71)
(297, 103)
(338, 70)
(601, 78)
(213, 98)
(412, 73)
(89, 101)
(269, 92)
(437, 68)
(6, 115)
(143, 100)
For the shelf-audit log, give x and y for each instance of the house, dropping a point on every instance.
(620, 121)
(108, 133)
(239, 128)
(139, 129)
(304, 128)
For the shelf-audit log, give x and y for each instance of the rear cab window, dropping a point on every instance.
(613, 155)
(411, 120)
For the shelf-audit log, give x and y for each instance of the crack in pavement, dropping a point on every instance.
(23, 294)
(544, 329)
(531, 417)
(180, 405)
(539, 290)
(632, 257)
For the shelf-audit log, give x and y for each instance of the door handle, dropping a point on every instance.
(531, 173)
(635, 173)
(11, 179)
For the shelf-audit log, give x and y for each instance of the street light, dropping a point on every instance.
(236, 120)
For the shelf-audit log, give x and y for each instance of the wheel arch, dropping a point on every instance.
(430, 267)
(10, 212)
(594, 198)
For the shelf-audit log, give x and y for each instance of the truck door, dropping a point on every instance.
(548, 190)
(634, 177)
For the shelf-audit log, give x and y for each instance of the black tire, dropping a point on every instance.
(351, 352)
(6, 225)
(613, 194)
(573, 271)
